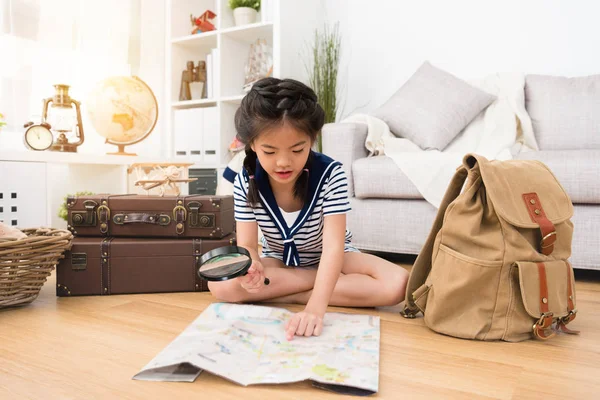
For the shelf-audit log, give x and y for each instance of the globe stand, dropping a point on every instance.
(121, 151)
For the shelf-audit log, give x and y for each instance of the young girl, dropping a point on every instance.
(299, 200)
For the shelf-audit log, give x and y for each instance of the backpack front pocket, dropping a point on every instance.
(462, 297)
(542, 293)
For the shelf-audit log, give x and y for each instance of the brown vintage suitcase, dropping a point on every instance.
(130, 215)
(132, 265)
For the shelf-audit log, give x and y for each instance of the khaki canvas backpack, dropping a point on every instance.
(494, 266)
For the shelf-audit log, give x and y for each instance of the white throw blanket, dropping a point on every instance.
(493, 134)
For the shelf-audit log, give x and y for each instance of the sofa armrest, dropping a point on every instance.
(345, 142)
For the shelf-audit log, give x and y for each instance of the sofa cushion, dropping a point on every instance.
(578, 171)
(564, 111)
(432, 107)
(391, 225)
(380, 177)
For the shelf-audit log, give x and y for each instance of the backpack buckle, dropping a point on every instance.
(409, 313)
(547, 237)
(540, 327)
(569, 317)
(545, 320)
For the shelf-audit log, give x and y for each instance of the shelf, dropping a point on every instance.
(246, 33)
(249, 33)
(194, 103)
(197, 41)
(237, 99)
(78, 158)
(208, 166)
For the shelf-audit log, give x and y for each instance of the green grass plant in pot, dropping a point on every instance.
(322, 68)
(244, 11)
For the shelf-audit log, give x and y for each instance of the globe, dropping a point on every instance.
(122, 109)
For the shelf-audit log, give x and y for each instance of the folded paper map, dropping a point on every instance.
(246, 344)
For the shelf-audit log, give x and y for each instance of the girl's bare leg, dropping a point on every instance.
(367, 281)
(284, 281)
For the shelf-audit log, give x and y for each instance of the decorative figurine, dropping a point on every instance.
(202, 24)
(259, 64)
(190, 76)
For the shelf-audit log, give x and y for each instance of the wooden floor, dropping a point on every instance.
(90, 347)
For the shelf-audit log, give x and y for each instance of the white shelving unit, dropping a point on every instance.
(232, 44)
(40, 180)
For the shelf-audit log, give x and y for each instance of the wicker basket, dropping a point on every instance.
(26, 263)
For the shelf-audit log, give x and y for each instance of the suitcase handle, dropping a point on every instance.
(142, 218)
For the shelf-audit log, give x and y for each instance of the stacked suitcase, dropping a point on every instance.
(127, 244)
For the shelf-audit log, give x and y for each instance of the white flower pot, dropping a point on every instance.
(244, 15)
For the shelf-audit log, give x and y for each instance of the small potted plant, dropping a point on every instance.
(2, 123)
(244, 11)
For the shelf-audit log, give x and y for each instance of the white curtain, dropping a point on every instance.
(75, 42)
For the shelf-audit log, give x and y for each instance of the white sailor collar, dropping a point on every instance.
(319, 167)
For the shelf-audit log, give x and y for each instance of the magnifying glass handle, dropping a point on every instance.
(266, 281)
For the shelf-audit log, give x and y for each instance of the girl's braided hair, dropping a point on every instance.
(271, 102)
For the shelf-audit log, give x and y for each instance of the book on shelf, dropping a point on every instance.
(215, 55)
(209, 76)
(212, 73)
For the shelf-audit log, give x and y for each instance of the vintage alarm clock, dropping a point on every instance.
(38, 136)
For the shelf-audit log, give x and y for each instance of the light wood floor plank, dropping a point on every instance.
(90, 347)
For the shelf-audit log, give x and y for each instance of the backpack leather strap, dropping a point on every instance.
(562, 323)
(545, 321)
(537, 214)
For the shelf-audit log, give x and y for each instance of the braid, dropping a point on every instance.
(250, 165)
(292, 100)
(271, 102)
(301, 185)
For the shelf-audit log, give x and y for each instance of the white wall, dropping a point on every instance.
(298, 19)
(152, 71)
(147, 59)
(385, 41)
(24, 83)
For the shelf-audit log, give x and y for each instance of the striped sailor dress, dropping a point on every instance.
(296, 238)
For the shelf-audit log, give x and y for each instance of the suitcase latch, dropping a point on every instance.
(78, 261)
(197, 219)
(87, 217)
(202, 221)
(179, 216)
(103, 216)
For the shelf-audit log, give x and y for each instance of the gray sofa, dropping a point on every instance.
(389, 214)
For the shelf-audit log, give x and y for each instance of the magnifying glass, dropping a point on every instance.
(225, 263)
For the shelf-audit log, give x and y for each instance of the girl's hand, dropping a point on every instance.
(305, 323)
(253, 281)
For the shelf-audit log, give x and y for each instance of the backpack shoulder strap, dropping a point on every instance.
(422, 266)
